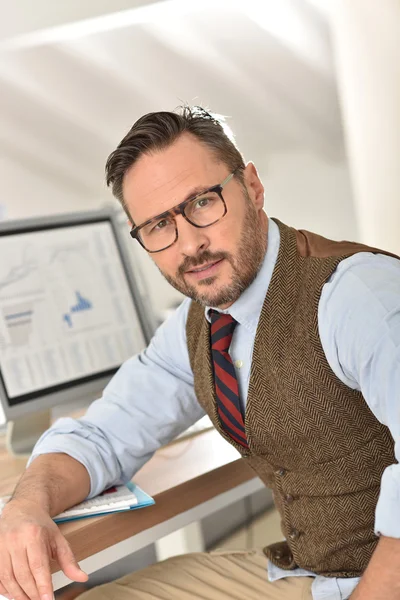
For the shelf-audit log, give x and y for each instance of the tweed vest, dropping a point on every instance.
(312, 439)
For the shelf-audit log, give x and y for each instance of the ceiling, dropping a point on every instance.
(74, 76)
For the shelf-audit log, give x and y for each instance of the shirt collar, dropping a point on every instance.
(247, 308)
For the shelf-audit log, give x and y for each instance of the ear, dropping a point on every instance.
(254, 185)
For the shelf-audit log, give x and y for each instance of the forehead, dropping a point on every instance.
(160, 180)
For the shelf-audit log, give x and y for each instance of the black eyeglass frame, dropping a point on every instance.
(179, 209)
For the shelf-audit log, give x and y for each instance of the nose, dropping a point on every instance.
(191, 240)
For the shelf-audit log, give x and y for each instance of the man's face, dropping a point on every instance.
(231, 249)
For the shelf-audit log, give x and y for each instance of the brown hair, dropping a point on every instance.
(157, 130)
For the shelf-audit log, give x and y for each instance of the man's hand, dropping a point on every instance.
(381, 580)
(29, 539)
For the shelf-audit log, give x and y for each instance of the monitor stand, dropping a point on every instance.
(23, 433)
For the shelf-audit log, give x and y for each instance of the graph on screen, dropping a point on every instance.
(66, 311)
(82, 304)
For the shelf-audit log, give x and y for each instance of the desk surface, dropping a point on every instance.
(179, 477)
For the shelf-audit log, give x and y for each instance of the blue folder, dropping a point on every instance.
(143, 500)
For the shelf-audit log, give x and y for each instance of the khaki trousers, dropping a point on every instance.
(218, 575)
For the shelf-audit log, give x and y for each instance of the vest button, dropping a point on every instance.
(289, 498)
(281, 472)
(294, 534)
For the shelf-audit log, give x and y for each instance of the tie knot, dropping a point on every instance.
(222, 328)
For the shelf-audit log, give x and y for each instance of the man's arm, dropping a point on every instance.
(381, 579)
(147, 403)
(359, 321)
(28, 535)
(54, 482)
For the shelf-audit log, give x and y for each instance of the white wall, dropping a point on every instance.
(307, 192)
(26, 193)
(22, 18)
(366, 38)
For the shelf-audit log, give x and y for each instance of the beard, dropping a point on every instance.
(245, 265)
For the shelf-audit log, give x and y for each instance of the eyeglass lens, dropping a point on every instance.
(201, 211)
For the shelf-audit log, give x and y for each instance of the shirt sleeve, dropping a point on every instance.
(148, 402)
(359, 325)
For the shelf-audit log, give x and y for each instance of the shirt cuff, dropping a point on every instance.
(64, 447)
(68, 438)
(387, 514)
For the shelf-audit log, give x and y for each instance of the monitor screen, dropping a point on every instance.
(67, 312)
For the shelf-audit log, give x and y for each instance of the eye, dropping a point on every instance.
(202, 202)
(160, 225)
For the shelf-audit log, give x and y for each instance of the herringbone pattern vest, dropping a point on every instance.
(312, 439)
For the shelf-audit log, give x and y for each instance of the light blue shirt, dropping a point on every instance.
(151, 398)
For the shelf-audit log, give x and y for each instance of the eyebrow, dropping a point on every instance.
(196, 191)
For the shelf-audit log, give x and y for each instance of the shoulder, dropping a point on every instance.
(170, 336)
(362, 274)
(355, 304)
(175, 324)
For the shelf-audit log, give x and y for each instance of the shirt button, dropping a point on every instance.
(238, 364)
(294, 534)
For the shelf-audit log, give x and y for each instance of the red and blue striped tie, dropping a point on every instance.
(226, 385)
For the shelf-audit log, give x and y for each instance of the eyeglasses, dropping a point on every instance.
(203, 210)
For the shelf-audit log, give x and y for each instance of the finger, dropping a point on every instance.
(39, 563)
(7, 578)
(23, 575)
(67, 562)
(3, 592)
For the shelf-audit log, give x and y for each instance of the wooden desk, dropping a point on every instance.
(188, 480)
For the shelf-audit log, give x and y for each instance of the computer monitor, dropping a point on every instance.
(70, 314)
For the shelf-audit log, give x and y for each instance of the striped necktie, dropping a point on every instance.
(226, 385)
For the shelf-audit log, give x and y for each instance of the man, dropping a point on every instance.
(316, 416)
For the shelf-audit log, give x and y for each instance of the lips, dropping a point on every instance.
(205, 271)
(203, 267)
